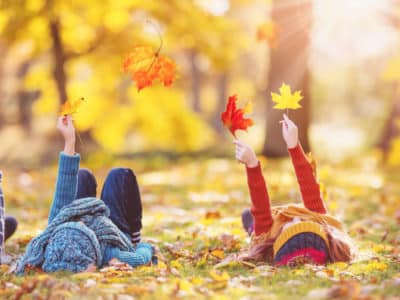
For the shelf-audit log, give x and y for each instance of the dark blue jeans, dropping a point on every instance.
(121, 194)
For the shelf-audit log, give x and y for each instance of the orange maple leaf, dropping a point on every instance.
(145, 66)
(268, 32)
(233, 118)
(71, 106)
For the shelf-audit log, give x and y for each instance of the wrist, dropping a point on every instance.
(252, 164)
(292, 144)
(69, 148)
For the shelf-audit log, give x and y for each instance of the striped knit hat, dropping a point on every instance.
(300, 243)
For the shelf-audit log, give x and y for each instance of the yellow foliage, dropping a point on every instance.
(166, 122)
(40, 78)
(34, 6)
(394, 154)
(392, 71)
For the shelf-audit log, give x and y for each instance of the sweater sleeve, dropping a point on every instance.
(142, 255)
(67, 183)
(309, 186)
(261, 207)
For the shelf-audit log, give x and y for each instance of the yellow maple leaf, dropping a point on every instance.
(71, 106)
(286, 99)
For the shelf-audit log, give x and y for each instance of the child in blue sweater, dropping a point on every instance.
(8, 224)
(84, 231)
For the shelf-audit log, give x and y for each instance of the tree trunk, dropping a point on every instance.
(289, 64)
(25, 102)
(222, 94)
(3, 53)
(196, 81)
(59, 61)
(391, 128)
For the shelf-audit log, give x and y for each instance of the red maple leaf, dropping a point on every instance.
(233, 118)
(145, 66)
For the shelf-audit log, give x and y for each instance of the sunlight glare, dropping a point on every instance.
(215, 7)
(347, 32)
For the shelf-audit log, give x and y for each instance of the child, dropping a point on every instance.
(83, 231)
(8, 225)
(290, 235)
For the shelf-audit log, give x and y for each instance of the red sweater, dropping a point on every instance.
(309, 187)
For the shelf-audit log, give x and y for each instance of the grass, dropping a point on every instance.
(191, 206)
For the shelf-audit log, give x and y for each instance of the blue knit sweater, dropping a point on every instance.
(66, 188)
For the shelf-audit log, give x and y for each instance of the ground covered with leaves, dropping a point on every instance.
(192, 212)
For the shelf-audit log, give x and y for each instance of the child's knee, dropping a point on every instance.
(121, 173)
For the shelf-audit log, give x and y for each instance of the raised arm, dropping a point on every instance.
(309, 186)
(261, 207)
(68, 167)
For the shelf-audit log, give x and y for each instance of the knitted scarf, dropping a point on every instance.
(94, 214)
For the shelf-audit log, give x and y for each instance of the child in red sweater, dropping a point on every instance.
(290, 235)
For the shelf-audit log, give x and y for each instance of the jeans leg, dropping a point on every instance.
(87, 184)
(10, 226)
(248, 221)
(121, 194)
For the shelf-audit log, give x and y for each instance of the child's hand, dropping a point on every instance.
(289, 132)
(245, 154)
(67, 129)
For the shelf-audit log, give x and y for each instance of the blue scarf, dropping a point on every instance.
(94, 214)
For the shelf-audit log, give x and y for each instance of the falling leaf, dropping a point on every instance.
(145, 66)
(71, 106)
(286, 100)
(233, 118)
(268, 32)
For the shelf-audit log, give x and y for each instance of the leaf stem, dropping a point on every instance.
(157, 28)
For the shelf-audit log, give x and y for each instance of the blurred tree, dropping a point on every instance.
(76, 49)
(391, 129)
(289, 64)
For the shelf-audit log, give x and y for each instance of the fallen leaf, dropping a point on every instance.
(213, 215)
(219, 276)
(218, 252)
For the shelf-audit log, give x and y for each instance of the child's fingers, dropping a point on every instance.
(284, 124)
(238, 142)
(285, 117)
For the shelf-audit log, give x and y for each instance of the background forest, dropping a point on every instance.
(344, 56)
